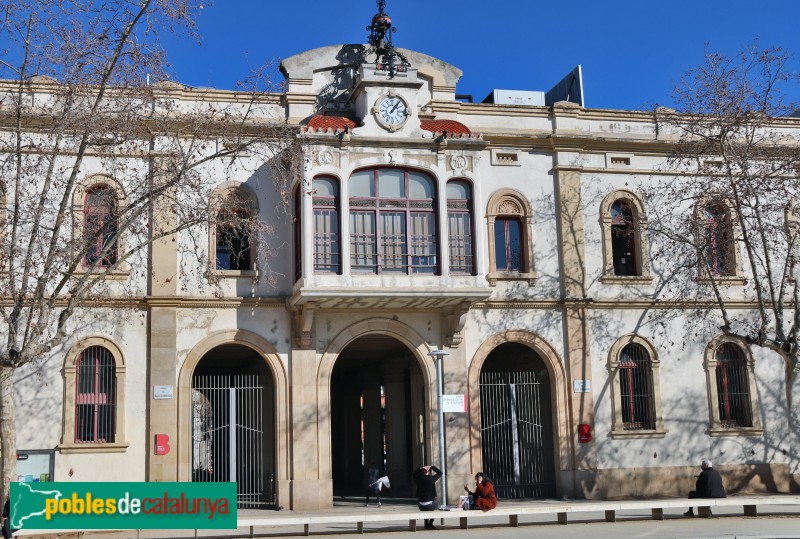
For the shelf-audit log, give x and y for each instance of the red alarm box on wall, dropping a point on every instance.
(584, 433)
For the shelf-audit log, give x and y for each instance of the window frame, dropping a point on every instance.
(736, 275)
(715, 426)
(70, 379)
(248, 204)
(508, 203)
(618, 430)
(457, 206)
(320, 203)
(641, 245)
(377, 207)
(79, 215)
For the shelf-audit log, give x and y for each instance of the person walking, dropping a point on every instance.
(426, 478)
(373, 482)
(8, 533)
(483, 497)
(708, 485)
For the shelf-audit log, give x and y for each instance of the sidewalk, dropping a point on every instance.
(778, 521)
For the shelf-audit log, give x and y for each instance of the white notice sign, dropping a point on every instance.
(162, 392)
(582, 386)
(454, 403)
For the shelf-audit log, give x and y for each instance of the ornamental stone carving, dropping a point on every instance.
(509, 207)
(324, 158)
(458, 162)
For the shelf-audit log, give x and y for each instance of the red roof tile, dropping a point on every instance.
(321, 121)
(451, 126)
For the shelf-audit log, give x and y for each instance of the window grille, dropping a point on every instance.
(100, 227)
(636, 388)
(96, 396)
(459, 222)
(733, 388)
(327, 248)
(623, 240)
(392, 222)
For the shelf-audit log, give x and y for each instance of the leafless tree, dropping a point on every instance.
(724, 211)
(84, 88)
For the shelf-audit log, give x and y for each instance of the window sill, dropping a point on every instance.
(511, 276)
(120, 274)
(632, 279)
(723, 279)
(232, 274)
(637, 434)
(115, 447)
(719, 432)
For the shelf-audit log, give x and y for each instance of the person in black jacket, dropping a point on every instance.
(708, 485)
(426, 478)
(7, 533)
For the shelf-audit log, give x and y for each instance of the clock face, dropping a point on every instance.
(392, 110)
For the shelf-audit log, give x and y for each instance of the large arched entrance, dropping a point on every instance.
(377, 415)
(517, 423)
(233, 423)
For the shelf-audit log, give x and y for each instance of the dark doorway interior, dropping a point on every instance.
(377, 414)
(517, 423)
(233, 423)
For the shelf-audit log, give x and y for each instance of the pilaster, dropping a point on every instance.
(574, 290)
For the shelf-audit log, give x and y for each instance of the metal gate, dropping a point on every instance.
(517, 444)
(228, 436)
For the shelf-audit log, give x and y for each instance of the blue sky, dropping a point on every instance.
(632, 52)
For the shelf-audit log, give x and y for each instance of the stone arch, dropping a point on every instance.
(563, 440)
(69, 375)
(505, 203)
(389, 328)
(640, 239)
(270, 356)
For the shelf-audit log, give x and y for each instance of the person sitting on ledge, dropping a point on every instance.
(708, 485)
(484, 497)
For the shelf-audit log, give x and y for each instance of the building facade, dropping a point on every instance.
(511, 236)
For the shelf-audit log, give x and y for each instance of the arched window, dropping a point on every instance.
(718, 241)
(730, 378)
(95, 396)
(460, 232)
(233, 230)
(733, 389)
(233, 240)
(625, 249)
(392, 222)
(510, 242)
(327, 239)
(635, 389)
(100, 227)
(623, 240)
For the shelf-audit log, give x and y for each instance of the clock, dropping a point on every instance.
(391, 111)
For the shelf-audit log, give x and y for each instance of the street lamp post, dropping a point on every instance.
(437, 355)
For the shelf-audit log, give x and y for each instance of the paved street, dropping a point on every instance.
(779, 522)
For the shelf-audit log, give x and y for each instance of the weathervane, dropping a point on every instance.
(380, 40)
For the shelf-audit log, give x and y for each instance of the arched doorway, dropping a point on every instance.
(517, 423)
(233, 423)
(377, 415)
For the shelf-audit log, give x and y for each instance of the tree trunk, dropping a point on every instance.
(8, 432)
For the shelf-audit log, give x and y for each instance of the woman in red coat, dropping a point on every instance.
(484, 497)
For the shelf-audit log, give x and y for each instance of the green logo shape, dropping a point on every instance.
(121, 506)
